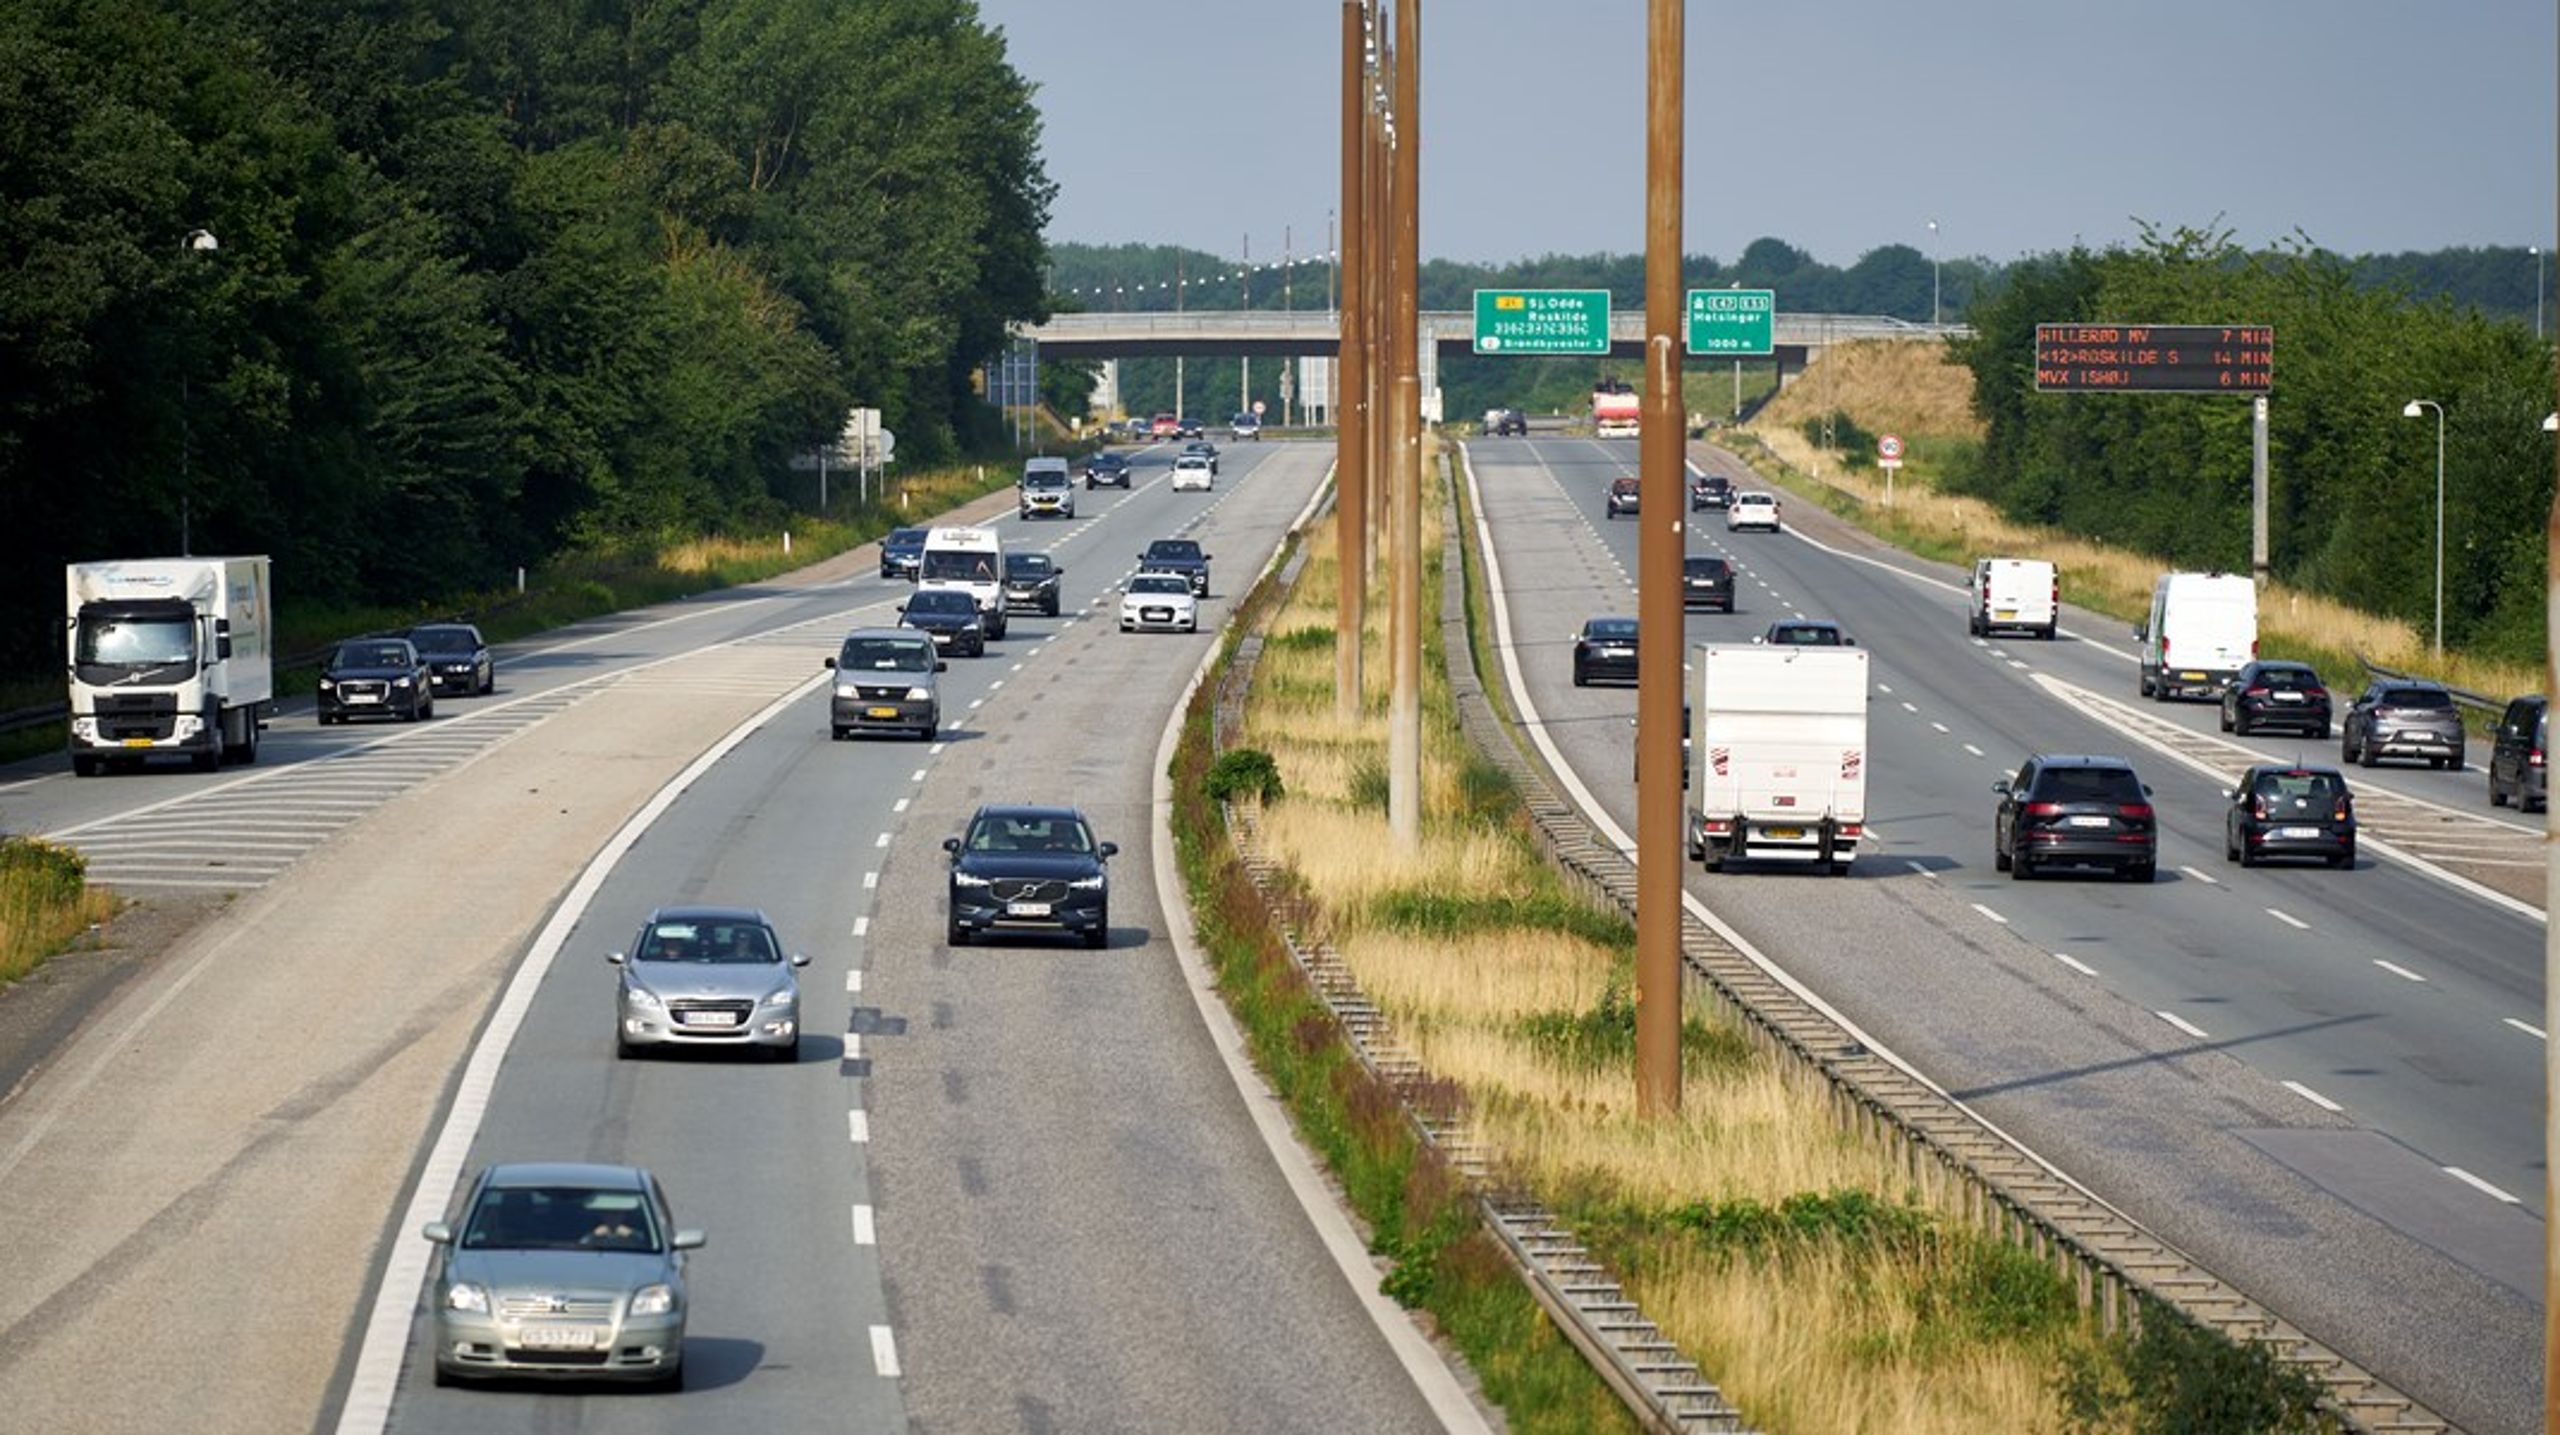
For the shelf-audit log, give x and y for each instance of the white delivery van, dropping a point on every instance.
(2020, 594)
(2202, 631)
(971, 559)
(1778, 736)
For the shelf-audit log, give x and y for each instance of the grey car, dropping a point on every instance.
(2402, 719)
(707, 977)
(562, 1271)
(886, 678)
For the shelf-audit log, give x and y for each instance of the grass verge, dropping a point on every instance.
(1812, 1281)
(46, 903)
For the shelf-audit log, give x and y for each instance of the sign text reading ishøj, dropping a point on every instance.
(2156, 358)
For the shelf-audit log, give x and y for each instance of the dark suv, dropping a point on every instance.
(1710, 490)
(2276, 695)
(1178, 555)
(1031, 581)
(457, 657)
(1508, 423)
(1624, 494)
(2515, 762)
(1706, 583)
(2085, 811)
(2402, 719)
(1107, 467)
(375, 677)
(2282, 811)
(1029, 869)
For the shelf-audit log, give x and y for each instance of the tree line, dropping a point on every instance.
(410, 293)
(2352, 480)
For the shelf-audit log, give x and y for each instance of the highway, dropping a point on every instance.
(2325, 1085)
(1004, 1187)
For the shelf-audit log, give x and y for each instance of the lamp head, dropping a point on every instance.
(2411, 410)
(202, 240)
(2551, 423)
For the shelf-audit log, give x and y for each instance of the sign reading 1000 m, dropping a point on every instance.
(1735, 322)
(1542, 321)
(2155, 358)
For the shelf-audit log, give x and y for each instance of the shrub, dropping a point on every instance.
(1242, 771)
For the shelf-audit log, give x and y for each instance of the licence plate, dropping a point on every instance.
(2004, 612)
(2288, 697)
(2190, 677)
(1785, 834)
(364, 697)
(880, 712)
(710, 1018)
(1026, 909)
(2297, 832)
(137, 742)
(560, 1337)
(2084, 822)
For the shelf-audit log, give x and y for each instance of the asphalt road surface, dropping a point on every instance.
(1005, 1187)
(2325, 1085)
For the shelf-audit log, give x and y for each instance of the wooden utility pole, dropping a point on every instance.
(1404, 703)
(1350, 380)
(1381, 163)
(1658, 606)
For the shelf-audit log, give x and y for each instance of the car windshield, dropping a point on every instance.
(1029, 565)
(1611, 629)
(444, 640)
(886, 655)
(2416, 698)
(1173, 548)
(1029, 834)
(1818, 635)
(941, 601)
(2089, 784)
(371, 655)
(1191, 460)
(1705, 567)
(2290, 679)
(137, 642)
(961, 565)
(2304, 787)
(560, 1218)
(1159, 583)
(738, 943)
(905, 538)
(1044, 480)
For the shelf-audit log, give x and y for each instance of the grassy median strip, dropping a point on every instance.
(46, 903)
(1794, 1261)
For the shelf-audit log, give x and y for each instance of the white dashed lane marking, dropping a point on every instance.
(2528, 1029)
(2198, 875)
(1994, 916)
(2477, 1184)
(2314, 1097)
(2181, 1023)
(858, 1126)
(853, 979)
(2397, 970)
(884, 1352)
(863, 1233)
(2289, 920)
(2075, 964)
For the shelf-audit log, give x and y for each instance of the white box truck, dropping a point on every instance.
(2019, 594)
(168, 656)
(1779, 739)
(2202, 631)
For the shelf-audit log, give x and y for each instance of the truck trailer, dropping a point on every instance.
(168, 657)
(1779, 740)
(1617, 411)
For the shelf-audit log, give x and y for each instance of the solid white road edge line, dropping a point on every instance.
(385, 1343)
(2477, 1184)
(1592, 812)
(2527, 1028)
(1431, 1374)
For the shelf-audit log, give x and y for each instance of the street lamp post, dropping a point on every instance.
(2536, 252)
(1933, 273)
(2411, 411)
(198, 241)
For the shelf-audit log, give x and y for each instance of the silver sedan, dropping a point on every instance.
(708, 976)
(562, 1271)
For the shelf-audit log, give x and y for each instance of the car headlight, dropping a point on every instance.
(784, 996)
(845, 690)
(189, 725)
(462, 1295)
(85, 728)
(653, 1300)
(644, 998)
(399, 682)
(968, 879)
(328, 685)
(919, 695)
(1093, 883)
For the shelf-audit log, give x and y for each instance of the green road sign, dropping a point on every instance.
(1732, 321)
(1542, 321)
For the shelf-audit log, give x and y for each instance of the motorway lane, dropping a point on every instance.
(1069, 1220)
(2343, 1220)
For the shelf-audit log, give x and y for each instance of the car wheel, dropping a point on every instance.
(2230, 846)
(1100, 936)
(2247, 857)
(83, 765)
(785, 1055)
(930, 730)
(838, 733)
(2021, 866)
(2497, 797)
(2365, 756)
(2047, 632)
(446, 1379)
(2225, 718)
(955, 935)
(2000, 859)
(2142, 872)
(211, 760)
(623, 1050)
(2146, 686)
(671, 1382)
(489, 684)
(1581, 679)
(2344, 859)
(1050, 608)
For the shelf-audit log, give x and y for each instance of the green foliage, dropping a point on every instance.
(1369, 789)
(1440, 914)
(1604, 1037)
(38, 873)
(1848, 1217)
(2352, 482)
(1311, 638)
(1243, 772)
(1856, 446)
(2174, 1377)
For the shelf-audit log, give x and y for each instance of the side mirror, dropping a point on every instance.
(2142, 632)
(1848, 642)
(1205, 557)
(830, 662)
(940, 666)
(1108, 850)
(1760, 637)
(438, 1232)
(2001, 787)
(799, 959)
(613, 959)
(951, 845)
(688, 1240)
(902, 607)
(2146, 789)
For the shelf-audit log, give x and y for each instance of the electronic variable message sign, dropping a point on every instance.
(2155, 358)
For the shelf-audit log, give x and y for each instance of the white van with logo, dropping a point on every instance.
(971, 559)
(2019, 594)
(2202, 631)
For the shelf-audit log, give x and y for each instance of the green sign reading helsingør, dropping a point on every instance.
(1542, 321)
(1732, 321)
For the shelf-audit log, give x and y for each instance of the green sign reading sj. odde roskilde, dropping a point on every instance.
(1542, 321)
(1733, 322)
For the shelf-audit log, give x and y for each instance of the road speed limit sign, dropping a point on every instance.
(1889, 446)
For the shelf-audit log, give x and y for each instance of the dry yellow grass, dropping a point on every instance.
(1347, 857)
(703, 555)
(1494, 976)
(2093, 574)
(1833, 1341)
(43, 909)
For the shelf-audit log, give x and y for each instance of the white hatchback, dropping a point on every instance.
(1161, 601)
(1751, 510)
(1192, 470)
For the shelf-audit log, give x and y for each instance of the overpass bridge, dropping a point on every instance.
(1286, 334)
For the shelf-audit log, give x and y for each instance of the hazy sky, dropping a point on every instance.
(2019, 125)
